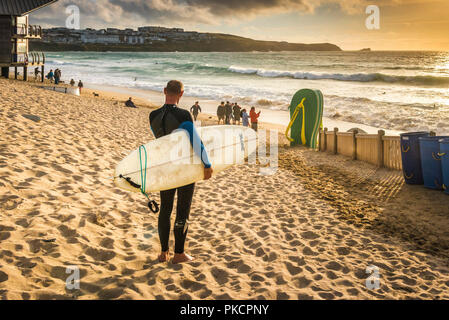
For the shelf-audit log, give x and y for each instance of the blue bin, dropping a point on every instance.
(411, 157)
(444, 154)
(431, 162)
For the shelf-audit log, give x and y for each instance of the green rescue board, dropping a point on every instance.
(306, 126)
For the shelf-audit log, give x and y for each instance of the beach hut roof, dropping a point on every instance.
(21, 7)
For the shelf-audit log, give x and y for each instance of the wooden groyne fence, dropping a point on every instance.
(377, 149)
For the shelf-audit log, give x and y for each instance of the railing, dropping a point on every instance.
(32, 31)
(35, 31)
(30, 58)
(378, 149)
(36, 58)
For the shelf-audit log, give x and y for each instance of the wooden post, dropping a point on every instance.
(325, 140)
(16, 73)
(25, 73)
(319, 140)
(380, 148)
(5, 72)
(354, 144)
(335, 141)
(42, 73)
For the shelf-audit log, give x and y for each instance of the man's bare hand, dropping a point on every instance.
(208, 173)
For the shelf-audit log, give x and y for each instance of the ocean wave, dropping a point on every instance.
(357, 77)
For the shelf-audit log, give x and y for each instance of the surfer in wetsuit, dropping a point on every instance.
(164, 121)
(195, 109)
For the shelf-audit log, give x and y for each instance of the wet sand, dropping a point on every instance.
(307, 232)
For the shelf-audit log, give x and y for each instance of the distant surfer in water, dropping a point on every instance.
(164, 121)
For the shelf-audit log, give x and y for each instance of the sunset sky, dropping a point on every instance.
(404, 24)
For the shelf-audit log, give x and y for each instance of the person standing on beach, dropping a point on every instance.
(221, 113)
(50, 75)
(80, 85)
(228, 112)
(72, 82)
(254, 116)
(195, 109)
(164, 121)
(236, 110)
(57, 76)
(245, 118)
(36, 73)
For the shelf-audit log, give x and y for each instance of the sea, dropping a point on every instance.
(403, 91)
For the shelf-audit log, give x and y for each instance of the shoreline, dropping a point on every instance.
(273, 119)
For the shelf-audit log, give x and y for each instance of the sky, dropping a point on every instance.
(403, 24)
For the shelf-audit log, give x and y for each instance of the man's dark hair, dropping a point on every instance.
(174, 87)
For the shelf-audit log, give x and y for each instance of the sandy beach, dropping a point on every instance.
(307, 232)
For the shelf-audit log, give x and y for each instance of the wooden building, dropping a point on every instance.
(15, 33)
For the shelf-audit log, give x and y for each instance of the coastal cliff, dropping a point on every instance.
(217, 43)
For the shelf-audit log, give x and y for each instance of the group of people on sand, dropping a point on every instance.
(227, 112)
(233, 112)
(80, 84)
(52, 76)
(56, 77)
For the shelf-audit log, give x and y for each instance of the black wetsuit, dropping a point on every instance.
(164, 121)
(130, 104)
(228, 112)
(195, 109)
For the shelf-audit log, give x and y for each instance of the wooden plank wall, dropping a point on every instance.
(377, 149)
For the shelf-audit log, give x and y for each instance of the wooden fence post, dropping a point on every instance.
(354, 144)
(319, 140)
(335, 140)
(380, 148)
(325, 140)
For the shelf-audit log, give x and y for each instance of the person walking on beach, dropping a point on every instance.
(221, 113)
(80, 85)
(228, 112)
(50, 75)
(195, 109)
(130, 103)
(164, 121)
(245, 118)
(36, 73)
(57, 76)
(236, 110)
(254, 116)
(72, 82)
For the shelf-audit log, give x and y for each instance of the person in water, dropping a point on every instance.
(221, 113)
(195, 109)
(164, 121)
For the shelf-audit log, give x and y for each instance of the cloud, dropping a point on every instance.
(121, 13)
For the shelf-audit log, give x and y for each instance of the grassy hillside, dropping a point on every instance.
(219, 42)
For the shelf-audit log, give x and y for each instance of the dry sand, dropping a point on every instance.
(307, 232)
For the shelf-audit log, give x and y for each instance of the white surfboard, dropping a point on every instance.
(172, 163)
